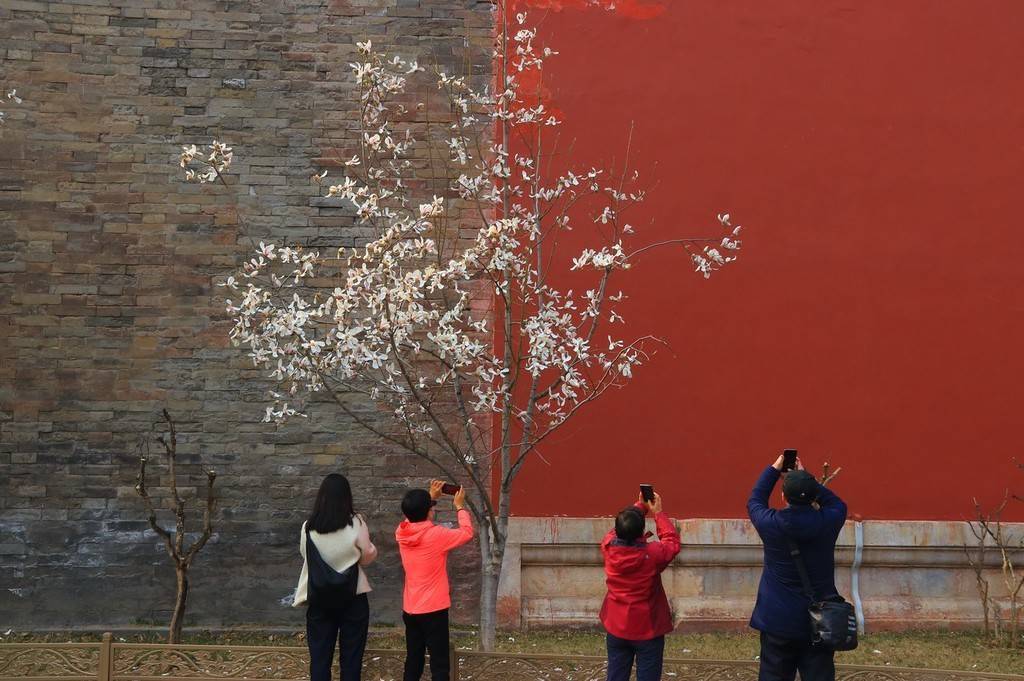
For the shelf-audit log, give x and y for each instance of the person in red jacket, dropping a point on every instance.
(635, 612)
(424, 548)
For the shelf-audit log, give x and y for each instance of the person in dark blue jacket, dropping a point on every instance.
(781, 610)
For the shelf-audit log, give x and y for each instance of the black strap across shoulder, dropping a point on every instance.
(833, 621)
(794, 551)
(326, 586)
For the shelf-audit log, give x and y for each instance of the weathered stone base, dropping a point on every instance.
(914, 574)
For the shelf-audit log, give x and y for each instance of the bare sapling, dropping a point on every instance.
(174, 540)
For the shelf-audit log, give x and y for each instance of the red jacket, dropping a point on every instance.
(636, 607)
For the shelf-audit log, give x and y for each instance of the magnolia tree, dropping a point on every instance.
(450, 318)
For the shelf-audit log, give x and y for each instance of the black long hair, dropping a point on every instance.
(333, 508)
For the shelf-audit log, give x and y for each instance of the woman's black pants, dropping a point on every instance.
(345, 627)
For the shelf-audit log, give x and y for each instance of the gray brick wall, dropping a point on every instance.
(108, 308)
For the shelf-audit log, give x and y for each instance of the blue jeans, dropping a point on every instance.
(649, 655)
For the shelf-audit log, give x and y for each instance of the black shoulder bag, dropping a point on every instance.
(326, 586)
(833, 620)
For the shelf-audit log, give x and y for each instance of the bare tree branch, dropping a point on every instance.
(175, 543)
(140, 487)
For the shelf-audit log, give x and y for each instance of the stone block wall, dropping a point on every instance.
(912, 574)
(109, 309)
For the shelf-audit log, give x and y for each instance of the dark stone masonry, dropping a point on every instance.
(109, 309)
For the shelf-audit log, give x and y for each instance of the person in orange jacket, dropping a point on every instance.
(424, 548)
(635, 613)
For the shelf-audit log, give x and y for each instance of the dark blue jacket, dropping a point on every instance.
(781, 608)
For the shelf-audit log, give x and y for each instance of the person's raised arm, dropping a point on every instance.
(459, 536)
(757, 504)
(668, 545)
(833, 509)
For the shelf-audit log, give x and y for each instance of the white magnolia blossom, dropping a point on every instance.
(406, 319)
(11, 96)
(209, 167)
(710, 258)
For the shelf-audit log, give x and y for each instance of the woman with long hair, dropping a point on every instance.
(335, 545)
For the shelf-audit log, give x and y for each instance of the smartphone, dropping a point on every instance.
(788, 460)
(647, 493)
(449, 488)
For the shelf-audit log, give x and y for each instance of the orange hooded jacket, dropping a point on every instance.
(424, 548)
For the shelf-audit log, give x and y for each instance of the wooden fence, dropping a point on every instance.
(110, 660)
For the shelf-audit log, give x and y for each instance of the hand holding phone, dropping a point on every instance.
(788, 460)
(435, 489)
(450, 489)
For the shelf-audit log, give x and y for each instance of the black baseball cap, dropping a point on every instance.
(416, 505)
(800, 488)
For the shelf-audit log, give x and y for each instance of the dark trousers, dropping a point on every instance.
(648, 654)
(782, 658)
(426, 632)
(345, 627)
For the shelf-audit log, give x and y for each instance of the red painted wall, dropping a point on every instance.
(874, 152)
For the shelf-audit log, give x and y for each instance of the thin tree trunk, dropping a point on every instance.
(488, 606)
(486, 615)
(983, 586)
(488, 589)
(178, 618)
(1014, 622)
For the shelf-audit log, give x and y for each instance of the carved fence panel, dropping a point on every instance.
(65, 661)
(115, 661)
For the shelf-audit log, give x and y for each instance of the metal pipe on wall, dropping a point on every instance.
(858, 555)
